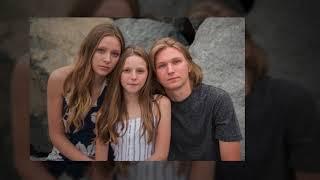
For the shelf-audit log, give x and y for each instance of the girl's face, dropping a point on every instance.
(106, 56)
(134, 74)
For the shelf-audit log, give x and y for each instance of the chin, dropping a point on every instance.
(172, 86)
(103, 73)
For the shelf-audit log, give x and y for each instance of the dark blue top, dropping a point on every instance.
(83, 139)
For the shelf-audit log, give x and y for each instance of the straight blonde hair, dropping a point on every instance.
(195, 74)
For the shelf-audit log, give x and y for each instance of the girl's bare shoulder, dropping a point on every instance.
(61, 73)
(161, 99)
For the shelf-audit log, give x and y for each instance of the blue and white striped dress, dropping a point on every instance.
(131, 145)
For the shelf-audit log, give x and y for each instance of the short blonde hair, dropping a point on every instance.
(195, 74)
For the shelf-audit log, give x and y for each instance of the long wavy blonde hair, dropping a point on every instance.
(77, 86)
(114, 108)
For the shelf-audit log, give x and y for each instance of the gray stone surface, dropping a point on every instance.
(219, 49)
(143, 32)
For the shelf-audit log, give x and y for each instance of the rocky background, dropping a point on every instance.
(218, 48)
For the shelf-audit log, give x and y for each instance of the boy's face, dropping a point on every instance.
(172, 69)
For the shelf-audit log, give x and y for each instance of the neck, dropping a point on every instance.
(132, 104)
(131, 99)
(97, 83)
(179, 94)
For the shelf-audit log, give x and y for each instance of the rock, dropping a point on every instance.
(143, 32)
(219, 48)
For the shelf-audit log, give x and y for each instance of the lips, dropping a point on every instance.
(173, 78)
(105, 67)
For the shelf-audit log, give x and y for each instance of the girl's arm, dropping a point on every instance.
(163, 132)
(56, 127)
(102, 150)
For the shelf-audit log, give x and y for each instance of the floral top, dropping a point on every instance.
(84, 138)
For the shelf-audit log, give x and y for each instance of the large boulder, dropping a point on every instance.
(219, 48)
(143, 32)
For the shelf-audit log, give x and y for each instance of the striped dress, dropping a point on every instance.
(131, 145)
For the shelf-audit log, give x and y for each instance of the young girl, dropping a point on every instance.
(75, 93)
(135, 122)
